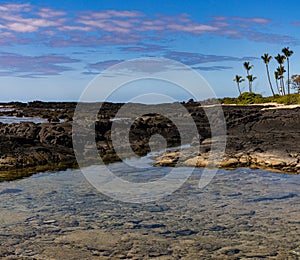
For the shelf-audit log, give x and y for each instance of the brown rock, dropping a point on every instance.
(228, 163)
(197, 161)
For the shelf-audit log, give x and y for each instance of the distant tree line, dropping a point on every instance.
(279, 74)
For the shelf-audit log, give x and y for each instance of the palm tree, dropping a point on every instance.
(250, 79)
(248, 67)
(288, 53)
(238, 79)
(266, 58)
(281, 70)
(280, 59)
(276, 80)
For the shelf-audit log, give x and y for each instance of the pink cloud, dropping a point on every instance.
(88, 28)
(175, 23)
(20, 27)
(21, 18)
(30, 25)
(249, 20)
(15, 8)
(236, 27)
(116, 14)
(192, 28)
(112, 26)
(151, 25)
(50, 13)
(45, 23)
(113, 21)
(75, 28)
(255, 20)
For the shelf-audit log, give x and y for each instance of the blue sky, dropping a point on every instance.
(51, 50)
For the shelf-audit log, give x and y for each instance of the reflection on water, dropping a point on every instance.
(241, 214)
(119, 119)
(6, 109)
(17, 120)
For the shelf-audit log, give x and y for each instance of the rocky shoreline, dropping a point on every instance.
(257, 137)
(264, 137)
(289, 163)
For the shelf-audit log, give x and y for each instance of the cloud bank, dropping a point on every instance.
(26, 23)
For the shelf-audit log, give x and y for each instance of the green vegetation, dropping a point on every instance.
(249, 98)
(244, 98)
(252, 98)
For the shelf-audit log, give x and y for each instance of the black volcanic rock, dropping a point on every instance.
(257, 136)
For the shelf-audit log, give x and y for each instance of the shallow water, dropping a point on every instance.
(17, 120)
(6, 109)
(241, 214)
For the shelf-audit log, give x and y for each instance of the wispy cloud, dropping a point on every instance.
(296, 23)
(242, 21)
(271, 38)
(12, 64)
(190, 58)
(103, 64)
(254, 29)
(212, 68)
(131, 21)
(130, 31)
(14, 18)
(78, 39)
(144, 48)
(53, 27)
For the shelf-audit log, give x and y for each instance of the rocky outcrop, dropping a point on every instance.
(257, 136)
(29, 145)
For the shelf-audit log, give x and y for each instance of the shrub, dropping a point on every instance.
(228, 100)
(291, 99)
(250, 98)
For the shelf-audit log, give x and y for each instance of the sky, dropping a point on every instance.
(52, 50)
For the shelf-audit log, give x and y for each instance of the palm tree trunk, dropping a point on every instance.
(250, 89)
(268, 73)
(288, 88)
(238, 84)
(277, 86)
(282, 85)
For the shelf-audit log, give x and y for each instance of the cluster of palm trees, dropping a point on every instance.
(279, 73)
